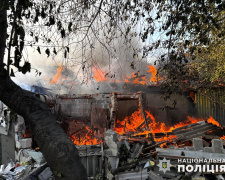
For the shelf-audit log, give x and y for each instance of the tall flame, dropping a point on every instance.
(58, 76)
(153, 71)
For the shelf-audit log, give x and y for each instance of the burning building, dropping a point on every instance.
(119, 134)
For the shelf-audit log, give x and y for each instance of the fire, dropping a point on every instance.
(58, 75)
(85, 136)
(99, 75)
(213, 121)
(134, 78)
(153, 71)
(223, 137)
(132, 124)
(165, 138)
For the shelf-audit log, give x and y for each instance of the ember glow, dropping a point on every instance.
(85, 136)
(165, 138)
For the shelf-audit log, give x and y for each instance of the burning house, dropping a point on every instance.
(119, 135)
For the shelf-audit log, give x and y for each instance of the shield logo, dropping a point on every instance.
(164, 165)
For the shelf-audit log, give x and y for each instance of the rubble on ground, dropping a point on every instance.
(124, 152)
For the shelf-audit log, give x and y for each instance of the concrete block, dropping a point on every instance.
(45, 175)
(217, 146)
(197, 144)
(24, 143)
(208, 149)
(189, 148)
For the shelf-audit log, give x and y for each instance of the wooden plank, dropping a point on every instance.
(177, 130)
(196, 129)
(144, 116)
(190, 136)
(143, 111)
(113, 110)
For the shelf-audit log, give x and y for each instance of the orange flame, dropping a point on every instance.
(143, 80)
(85, 137)
(58, 75)
(213, 121)
(153, 71)
(99, 75)
(165, 138)
(129, 123)
(134, 78)
(133, 122)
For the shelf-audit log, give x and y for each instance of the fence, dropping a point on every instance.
(211, 103)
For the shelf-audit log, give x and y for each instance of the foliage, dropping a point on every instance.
(72, 29)
(194, 39)
(184, 35)
(209, 60)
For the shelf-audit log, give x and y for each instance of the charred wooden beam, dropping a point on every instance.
(142, 106)
(113, 110)
(181, 129)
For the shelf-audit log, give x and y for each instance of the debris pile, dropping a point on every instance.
(29, 164)
(117, 137)
(130, 158)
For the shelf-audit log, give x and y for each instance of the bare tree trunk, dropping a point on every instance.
(58, 150)
(3, 34)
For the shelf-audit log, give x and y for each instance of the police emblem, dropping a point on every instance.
(164, 165)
